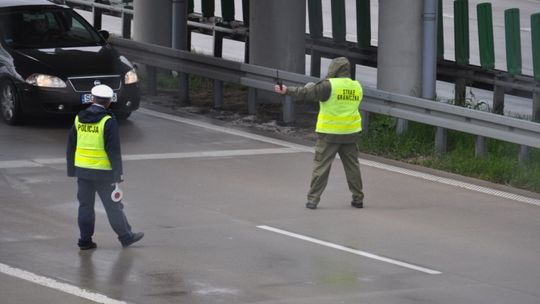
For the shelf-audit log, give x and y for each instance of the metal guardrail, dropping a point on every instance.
(410, 108)
(474, 76)
(116, 6)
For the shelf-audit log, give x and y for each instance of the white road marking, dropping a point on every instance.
(224, 153)
(429, 177)
(63, 287)
(289, 148)
(7, 164)
(226, 130)
(453, 182)
(40, 162)
(350, 250)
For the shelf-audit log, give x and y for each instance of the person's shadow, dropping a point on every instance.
(118, 273)
(86, 271)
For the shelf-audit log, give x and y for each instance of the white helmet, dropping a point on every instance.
(102, 91)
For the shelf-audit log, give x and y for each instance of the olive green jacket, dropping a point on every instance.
(320, 92)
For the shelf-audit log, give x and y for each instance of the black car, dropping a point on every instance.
(50, 58)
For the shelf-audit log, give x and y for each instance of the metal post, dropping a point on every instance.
(288, 110)
(126, 25)
(218, 44)
(179, 41)
(460, 89)
(524, 150)
(440, 141)
(429, 65)
(366, 116)
(252, 101)
(218, 94)
(315, 66)
(401, 126)
(429, 58)
(480, 149)
(246, 50)
(523, 154)
(151, 72)
(97, 17)
(536, 104)
(353, 68)
(498, 100)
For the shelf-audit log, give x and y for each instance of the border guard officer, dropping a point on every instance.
(338, 128)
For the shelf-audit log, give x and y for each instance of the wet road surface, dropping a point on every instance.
(224, 218)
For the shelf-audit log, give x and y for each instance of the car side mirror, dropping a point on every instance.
(105, 34)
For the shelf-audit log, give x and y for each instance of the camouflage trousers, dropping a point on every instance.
(325, 152)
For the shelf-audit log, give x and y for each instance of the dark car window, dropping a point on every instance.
(46, 28)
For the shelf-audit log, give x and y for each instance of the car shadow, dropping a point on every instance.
(60, 122)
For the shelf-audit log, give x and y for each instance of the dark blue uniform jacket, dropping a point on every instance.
(93, 114)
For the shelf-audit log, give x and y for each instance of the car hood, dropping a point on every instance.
(69, 62)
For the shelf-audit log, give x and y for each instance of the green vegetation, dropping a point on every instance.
(416, 146)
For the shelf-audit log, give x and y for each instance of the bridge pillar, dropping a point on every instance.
(399, 57)
(277, 34)
(152, 23)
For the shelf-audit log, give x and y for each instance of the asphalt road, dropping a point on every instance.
(224, 217)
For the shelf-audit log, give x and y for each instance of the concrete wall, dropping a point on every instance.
(277, 34)
(400, 46)
(152, 22)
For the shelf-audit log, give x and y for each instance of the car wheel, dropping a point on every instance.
(9, 103)
(123, 116)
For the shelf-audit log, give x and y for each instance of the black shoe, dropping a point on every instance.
(357, 204)
(86, 245)
(311, 205)
(134, 238)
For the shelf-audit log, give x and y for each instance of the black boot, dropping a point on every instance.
(311, 205)
(86, 245)
(357, 204)
(137, 236)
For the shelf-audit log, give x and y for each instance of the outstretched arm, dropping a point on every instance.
(312, 91)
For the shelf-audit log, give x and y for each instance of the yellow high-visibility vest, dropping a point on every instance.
(339, 114)
(90, 152)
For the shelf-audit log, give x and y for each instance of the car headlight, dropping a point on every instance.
(46, 81)
(131, 77)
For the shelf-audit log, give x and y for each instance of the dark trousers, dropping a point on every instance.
(325, 152)
(86, 195)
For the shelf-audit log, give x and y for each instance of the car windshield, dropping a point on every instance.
(46, 28)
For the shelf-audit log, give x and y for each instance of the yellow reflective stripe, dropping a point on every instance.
(348, 127)
(92, 159)
(89, 160)
(323, 116)
(95, 166)
(91, 152)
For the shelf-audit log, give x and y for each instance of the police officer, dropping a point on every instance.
(93, 156)
(338, 128)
